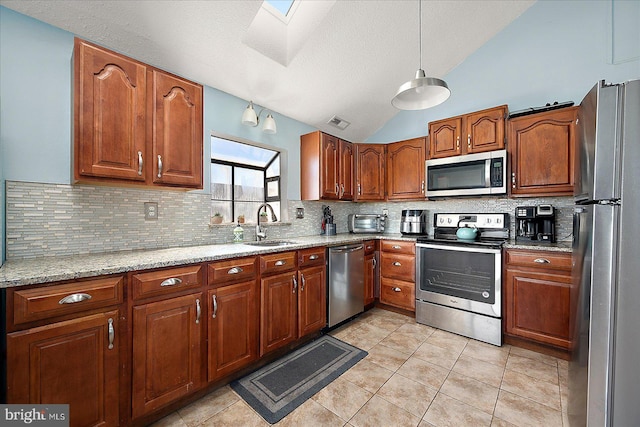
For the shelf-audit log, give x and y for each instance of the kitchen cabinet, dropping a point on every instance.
(467, 134)
(234, 315)
(537, 297)
(542, 153)
(167, 337)
(312, 295)
(133, 123)
(406, 169)
(65, 348)
(397, 274)
(326, 167)
(370, 172)
(370, 271)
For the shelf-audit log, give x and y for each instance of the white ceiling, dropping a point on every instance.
(351, 64)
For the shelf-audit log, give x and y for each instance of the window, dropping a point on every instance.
(243, 176)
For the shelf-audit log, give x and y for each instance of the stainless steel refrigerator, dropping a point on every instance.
(604, 371)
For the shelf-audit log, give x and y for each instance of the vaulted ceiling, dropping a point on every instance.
(350, 63)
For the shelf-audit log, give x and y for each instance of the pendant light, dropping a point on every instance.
(421, 92)
(250, 118)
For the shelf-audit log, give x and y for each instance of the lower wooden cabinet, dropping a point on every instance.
(537, 297)
(397, 274)
(73, 362)
(167, 340)
(312, 300)
(278, 311)
(370, 271)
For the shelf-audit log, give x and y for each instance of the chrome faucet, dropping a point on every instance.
(260, 233)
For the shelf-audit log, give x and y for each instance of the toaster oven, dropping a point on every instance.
(366, 223)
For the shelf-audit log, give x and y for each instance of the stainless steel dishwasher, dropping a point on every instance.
(345, 283)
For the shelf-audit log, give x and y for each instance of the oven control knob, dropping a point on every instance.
(498, 220)
(449, 220)
(485, 294)
(488, 220)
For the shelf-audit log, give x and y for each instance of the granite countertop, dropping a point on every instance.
(553, 247)
(54, 269)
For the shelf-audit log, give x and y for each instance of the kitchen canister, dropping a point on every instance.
(238, 234)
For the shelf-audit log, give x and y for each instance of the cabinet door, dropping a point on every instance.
(233, 328)
(177, 131)
(346, 170)
(405, 173)
(278, 311)
(312, 300)
(166, 352)
(485, 130)
(444, 138)
(537, 306)
(370, 172)
(73, 362)
(109, 114)
(369, 278)
(542, 153)
(329, 158)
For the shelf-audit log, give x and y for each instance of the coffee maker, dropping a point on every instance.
(536, 224)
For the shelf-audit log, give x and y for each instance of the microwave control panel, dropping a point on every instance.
(497, 172)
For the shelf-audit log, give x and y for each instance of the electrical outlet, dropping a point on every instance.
(150, 210)
(385, 212)
(299, 213)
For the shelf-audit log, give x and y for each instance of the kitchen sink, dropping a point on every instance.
(270, 243)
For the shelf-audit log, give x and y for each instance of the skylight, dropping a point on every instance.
(282, 6)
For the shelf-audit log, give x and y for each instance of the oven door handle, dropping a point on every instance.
(459, 248)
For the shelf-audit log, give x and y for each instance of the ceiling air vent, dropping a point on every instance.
(338, 122)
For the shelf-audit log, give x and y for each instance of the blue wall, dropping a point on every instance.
(555, 51)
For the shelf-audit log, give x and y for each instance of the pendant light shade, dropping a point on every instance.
(250, 118)
(269, 125)
(421, 92)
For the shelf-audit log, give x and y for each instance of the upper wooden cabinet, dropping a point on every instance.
(470, 133)
(326, 167)
(542, 153)
(133, 123)
(370, 161)
(405, 169)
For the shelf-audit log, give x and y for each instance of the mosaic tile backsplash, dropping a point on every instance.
(56, 220)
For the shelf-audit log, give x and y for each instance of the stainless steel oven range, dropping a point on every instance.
(459, 281)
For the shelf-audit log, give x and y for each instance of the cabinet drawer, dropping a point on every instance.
(277, 263)
(398, 293)
(232, 270)
(398, 266)
(539, 259)
(163, 282)
(369, 247)
(396, 246)
(310, 257)
(58, 300)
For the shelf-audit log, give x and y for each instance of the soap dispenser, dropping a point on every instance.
(238, 234)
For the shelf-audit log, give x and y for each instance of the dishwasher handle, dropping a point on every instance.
(346, 248)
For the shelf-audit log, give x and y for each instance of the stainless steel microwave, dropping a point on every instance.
(366, 223)
(468, 175)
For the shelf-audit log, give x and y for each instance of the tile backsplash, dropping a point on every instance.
(58, 219)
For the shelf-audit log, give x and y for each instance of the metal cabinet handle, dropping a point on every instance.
(314, 256)
(303, 282)
(397, 264)
(337, 189)
(513, 180)
(171, 282)
(159, 166)
(341, 190)
(359, 190)
(295, 283)
(198, 311)
(396, 289)
(369, 247)
(111, 333)
(374, 263)
(140, 162)
(74, 298)
(235, 270)
(469, 141)
(542, 261)
(458, 143)
(215, 306)
(280, 262)
(422, 186)
(396, 247)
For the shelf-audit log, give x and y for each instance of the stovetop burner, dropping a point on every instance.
(493, 229)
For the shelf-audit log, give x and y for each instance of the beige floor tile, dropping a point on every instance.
(403, 342)
(310, 413)
(497, 422)
(171, 420)
(367, 375)
(208, 406)
(386, 357)
(387, 322)
(523, 352)
(423, 372)
(441, 356)
(487, 352)
(447, 412)
(238, 414)
(343, 398)
(379, 412)
(470, 391)
(423, 423)
(525, 386)
(533, 368)
(422, 332)
(525, 412)
(409, 395)
(373, 332)
(447, 339)
(356, 338)
(486, 372)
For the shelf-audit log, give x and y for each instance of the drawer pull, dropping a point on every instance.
(369, 247)
(397, 264)
(314, 256)
(215, 306)
(235, 270)
(74, 298)
(171, 282)
(396, 289)
(280, 262)
(112, 333)
(198, 311)
(396, 247)
(542, 261)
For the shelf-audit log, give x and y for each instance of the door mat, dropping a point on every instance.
(280, 387)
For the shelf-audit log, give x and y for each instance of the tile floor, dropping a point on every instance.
(414, 375)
